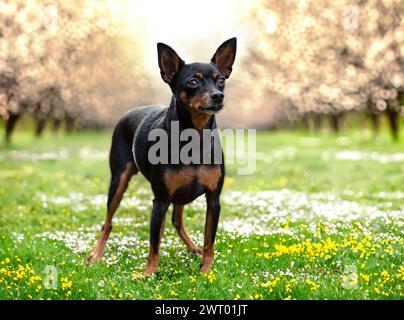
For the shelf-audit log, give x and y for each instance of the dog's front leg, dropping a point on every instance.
(156, 233)
(212, 219)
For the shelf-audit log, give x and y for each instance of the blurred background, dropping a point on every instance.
(307, 65)
(320, 217)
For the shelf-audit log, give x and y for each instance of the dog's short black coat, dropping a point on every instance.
(197, 95)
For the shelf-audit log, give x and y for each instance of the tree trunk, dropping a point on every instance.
(40, 126)
(335, 120)
(69, 125)
(305, 123)
(375, 120)
(56, 125)
(317, 122)
(10, 125)
(393, 117)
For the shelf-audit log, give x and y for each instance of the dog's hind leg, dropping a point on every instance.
(122, 169)
(179, 226)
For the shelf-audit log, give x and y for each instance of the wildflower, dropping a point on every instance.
(211, 276)
(364, 277)
(66, 283)
(137, 276)
(313, 286)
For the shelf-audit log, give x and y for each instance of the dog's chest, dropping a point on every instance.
(192, 179)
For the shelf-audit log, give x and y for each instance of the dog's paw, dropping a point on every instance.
(150, 271)
(204, 268)
(196, 251)
(93, 257)
(90, 259)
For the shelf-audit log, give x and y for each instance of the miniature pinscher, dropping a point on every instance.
(197, 95)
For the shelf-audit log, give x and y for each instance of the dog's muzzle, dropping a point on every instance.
(212, 109)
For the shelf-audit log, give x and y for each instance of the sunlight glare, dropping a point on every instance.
(189, 27)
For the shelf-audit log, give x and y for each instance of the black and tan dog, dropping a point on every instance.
(197, 96)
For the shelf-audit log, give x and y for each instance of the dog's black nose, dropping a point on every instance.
(217, 97)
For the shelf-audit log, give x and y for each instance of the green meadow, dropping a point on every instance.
(320, 218)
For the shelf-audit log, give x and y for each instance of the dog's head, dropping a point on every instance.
(200, 86)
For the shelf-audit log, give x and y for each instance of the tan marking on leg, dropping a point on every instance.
(123, 184)
(174, 180)
(177, 220)
(207, 259)
(208, 247)
(152, 264)
(99, 249)
(163, 225)
(106, 229)
(209, 176)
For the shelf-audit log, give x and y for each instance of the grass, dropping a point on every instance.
(321, 218)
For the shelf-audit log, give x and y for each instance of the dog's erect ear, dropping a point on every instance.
(225, 55)
(169, 62)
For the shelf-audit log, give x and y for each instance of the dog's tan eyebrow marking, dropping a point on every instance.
(198, 75)
(215, 75)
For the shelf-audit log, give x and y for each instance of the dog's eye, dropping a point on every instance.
(193, 83)
(220, 82)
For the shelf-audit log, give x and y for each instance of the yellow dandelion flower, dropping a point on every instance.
(313, 286)
(137, 276)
